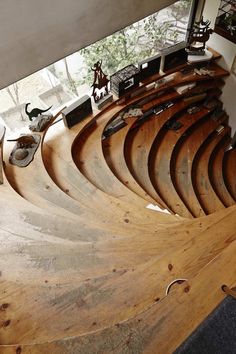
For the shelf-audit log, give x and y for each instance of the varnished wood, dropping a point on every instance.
(187, 263)
(161, 158)
(216, 172)
(138, 144)
(59, 163)
(113, 149)
(229, 165)
(37, 191)
(209, 200)
(184, 155)
(82, 271)
(90, 161)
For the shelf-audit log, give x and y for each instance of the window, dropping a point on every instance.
(226, 20)
(72, 76)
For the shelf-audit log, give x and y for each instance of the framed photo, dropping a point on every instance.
(226, 20)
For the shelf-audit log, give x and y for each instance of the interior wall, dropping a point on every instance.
(228, 51)
(34, 34)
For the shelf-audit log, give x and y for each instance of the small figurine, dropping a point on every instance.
(199, 33)
(24, 149)
(193, 109)
(35, 112)
(100, 81)
(24, 141)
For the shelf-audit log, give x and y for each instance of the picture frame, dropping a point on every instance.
(225, 24)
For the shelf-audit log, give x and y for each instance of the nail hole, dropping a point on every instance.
(170, 267)
(6, 323)
(4, 307)
(186, 289)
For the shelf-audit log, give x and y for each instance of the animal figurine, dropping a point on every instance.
(199, 33)
(100, 81)
(35, 111)
(24, 141)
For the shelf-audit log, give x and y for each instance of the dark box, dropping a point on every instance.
(125, 80)
(175, 56)
(149, 67)
(77, 111)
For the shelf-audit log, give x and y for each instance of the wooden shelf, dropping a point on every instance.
(84, 264)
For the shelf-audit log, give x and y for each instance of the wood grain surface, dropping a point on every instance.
(84, 265)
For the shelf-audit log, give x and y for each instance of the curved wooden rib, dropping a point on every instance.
(59, 163)
(229, 167)
(60, 166)
(33, 184)
(113, 150)
(200, 174)
(160, 162)
(180, 79)
(138, 144)
(216, 172)
(89, 159)
(184, 155)
(41, 191)
(77, 279)
(90, 145)
(139, 141)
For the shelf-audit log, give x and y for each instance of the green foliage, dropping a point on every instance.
(136, 42)
(115, 51)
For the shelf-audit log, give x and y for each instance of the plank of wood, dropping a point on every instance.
(189, 304)
(216, 173)
(75, 274)
(58, 160)
(91, 163)
(138, 142)
(38, 186)
(160, 159)
(229, 165)
(209, 200)
(179, 79)
(184, 154)
(74, 184)
(113, 148)
(71, 180)
(137, 146)
(60, 166)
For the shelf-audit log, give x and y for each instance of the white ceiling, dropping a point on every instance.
(34, 34)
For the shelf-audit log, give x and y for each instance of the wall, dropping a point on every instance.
(36, 33)
(228, 51)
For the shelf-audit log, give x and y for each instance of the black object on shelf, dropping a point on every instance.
(173, 125)
(125, 80)
(217, 114)
(77, 111)
(233, 141)
(149, 67)
(113, 127)
(153, 111)
(175, 56)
